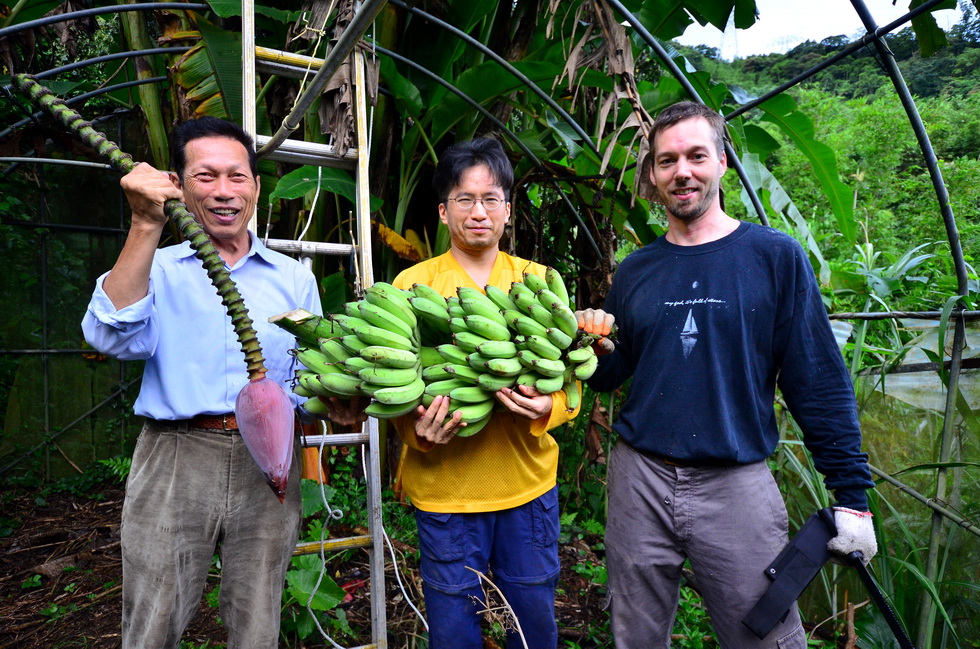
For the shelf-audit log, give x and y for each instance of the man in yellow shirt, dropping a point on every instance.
(489, 501)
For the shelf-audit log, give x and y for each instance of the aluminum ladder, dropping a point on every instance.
(255, 59)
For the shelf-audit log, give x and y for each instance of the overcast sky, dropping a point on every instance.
(783, 24)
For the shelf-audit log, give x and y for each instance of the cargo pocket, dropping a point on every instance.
(544, 520)
(792, 640)
(440, 535)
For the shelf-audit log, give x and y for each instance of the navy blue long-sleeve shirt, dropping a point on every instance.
(706, 332)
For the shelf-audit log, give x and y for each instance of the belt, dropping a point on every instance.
(708, 463)
(226, 421)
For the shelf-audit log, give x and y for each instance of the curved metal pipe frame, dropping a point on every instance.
(502, 62)
(85, 13)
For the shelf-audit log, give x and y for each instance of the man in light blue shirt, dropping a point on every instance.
(193, 485)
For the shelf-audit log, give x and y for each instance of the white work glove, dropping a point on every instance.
(855, 533)
(599, 323)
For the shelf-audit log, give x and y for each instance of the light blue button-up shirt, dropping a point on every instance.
(194, 363)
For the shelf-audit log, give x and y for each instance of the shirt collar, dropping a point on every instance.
(256, 248)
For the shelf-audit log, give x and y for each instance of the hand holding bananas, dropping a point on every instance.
(435, 424)
(525, 401)
(855, 533)
(599, 323)
(346, 412)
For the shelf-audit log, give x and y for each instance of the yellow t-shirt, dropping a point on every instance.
(511, 461)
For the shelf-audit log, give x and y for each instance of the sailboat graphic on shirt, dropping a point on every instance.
(689, 334)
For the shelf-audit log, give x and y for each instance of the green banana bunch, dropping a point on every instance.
(404, 348)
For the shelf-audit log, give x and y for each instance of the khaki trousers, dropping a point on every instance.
(729, 521)
(190, 492)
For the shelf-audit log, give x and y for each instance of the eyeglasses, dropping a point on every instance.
(490, 203)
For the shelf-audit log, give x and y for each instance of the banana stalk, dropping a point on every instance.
(264, 413)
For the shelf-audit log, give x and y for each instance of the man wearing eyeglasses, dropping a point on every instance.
(487, 501)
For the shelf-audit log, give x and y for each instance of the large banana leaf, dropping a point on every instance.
(781, 111)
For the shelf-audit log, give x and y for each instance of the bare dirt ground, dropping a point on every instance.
(60, 582)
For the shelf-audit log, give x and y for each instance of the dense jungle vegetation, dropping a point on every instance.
(837, 166)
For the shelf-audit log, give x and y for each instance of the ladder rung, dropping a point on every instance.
(287, 63)
(310, 247)
(342, 439)
(333, 545)
(309, 153)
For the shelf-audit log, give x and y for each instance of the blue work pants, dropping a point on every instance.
(519, 545)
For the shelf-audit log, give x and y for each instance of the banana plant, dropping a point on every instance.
(262, 408)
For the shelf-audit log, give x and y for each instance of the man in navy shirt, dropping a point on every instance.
(711, 317)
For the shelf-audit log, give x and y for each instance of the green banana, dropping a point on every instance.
(430, 356)
(430, 311)
(340, 384)
(436, 373)
(389, 375)
(547, 367)
(313, 359)
(393, 300)
(380, 410)
(477, 361)
(504, 366)
(584, 370)
(573, 394)
(377, 336)
(487, 327)
(389, 356)
(523, 298)
(300, 390)
(472, 412)
(542, 315)
(353, 344)
(352, 309)
(493, 383)
(546, 298)
(499, 297)
(534, 282)
(468, 340)
(549, 384)
(529, 377)
(485, 308)
(457, 325)
(346, 322)
(580, 354)
(401, 394)
(453, 354)
(455, 310)
(557, 285)
(316, 406)
(543, 347)
(528, 326)
(380, 317)
(497, 349)
(429, 293)
(444, 388)
(469, 297)
(475, 427)
(564, 318)
(355, 364)
(470, 394)
(559, 338)
(334, 350)
(464, 372)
